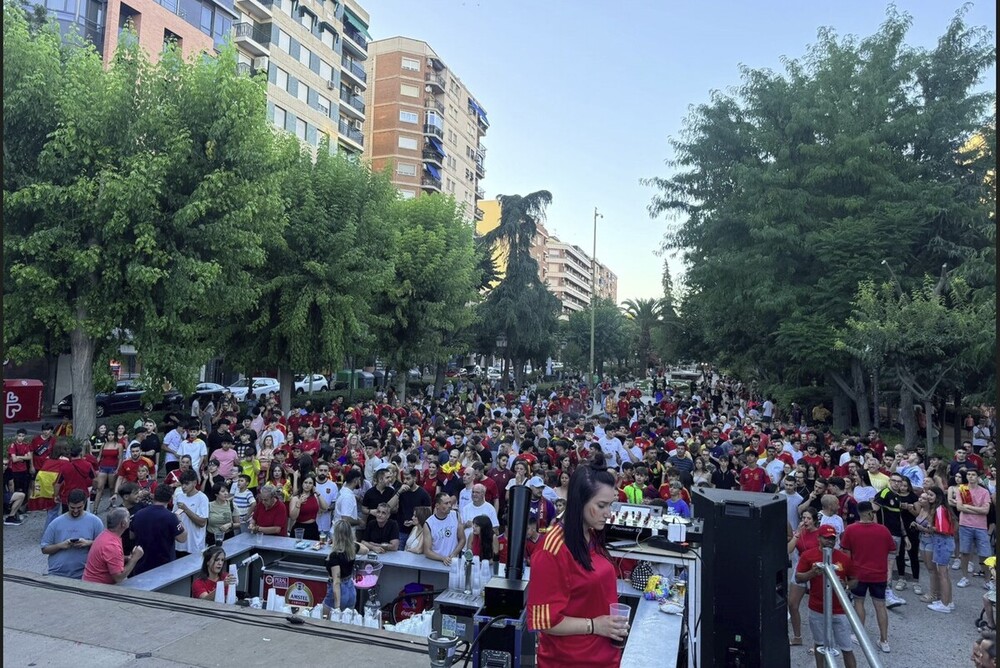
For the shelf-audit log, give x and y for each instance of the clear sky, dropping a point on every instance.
(583, 95)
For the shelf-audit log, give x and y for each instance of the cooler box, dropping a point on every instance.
(301, 585)
(22, 400)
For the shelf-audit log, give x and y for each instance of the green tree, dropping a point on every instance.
(520, 308)
(133, 198)
(436, 278)
(325, 273)
(611, 336)
(646, 314)
(794, 187)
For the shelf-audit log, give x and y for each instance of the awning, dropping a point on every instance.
(357, 23)
(438, 146)
(433, 171)
(479, 111)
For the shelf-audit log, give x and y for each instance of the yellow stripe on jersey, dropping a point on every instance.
(541, 618)
(554, 540)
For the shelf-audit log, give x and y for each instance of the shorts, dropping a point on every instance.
(969, 537)
(926, 543)
(876, 589)
(841, 631)
(110, 470)
(942, 546)
(348, 594)
(22, 482)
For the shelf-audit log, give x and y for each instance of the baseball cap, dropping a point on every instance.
(827, 531)
(382, 467)
(536, 482)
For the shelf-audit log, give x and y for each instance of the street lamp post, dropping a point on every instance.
(593, 294)
(502, 348)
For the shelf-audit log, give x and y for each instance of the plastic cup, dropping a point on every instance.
(300, 534)
(219, 537)
(619, 610)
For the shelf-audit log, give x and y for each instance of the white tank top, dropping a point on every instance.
(444, 533)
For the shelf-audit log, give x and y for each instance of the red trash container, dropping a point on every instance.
(22, 400)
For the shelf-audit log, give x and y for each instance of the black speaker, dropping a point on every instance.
(744, 579)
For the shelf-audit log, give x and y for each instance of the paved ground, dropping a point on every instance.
(919, 638)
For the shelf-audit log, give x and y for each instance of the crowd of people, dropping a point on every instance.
(432, 475)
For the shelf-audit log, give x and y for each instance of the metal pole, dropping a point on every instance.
(593, 295)
(867, 648)
(827, 649)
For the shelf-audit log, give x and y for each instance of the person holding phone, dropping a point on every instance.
(67, 539)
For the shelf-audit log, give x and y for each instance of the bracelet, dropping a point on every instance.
(590, 622)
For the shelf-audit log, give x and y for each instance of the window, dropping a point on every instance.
(434, 119)
(406, 169)
(304, 54)
(284, 41)
(300, 129)
(409, 116)
(303, 93)
(206, 20)
(407, 194)
(451, 186)
(324, 104)
(409, 143)
(321, 137)
(327, 38)
(169, 39)
(411, 64)
(281, 78)
(325, 70)
(409, 91)
(280, 116)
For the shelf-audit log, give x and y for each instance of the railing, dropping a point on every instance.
(480, 193)
(434, 104)
(350, 132)
(353, 68)
(251, 31)
(430, 182)
(430, 129)
(480, 169)
(478, 213)
(435, 78)
(244, 69)
(353, 100)
(432, 155)
(355, 36)
(833, 586)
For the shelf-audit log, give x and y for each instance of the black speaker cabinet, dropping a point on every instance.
(744, 579)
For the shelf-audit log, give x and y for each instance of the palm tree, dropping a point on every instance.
(646, 313)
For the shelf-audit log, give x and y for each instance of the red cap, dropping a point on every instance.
(828, 531)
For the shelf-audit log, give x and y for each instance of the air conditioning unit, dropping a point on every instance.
(331, 85)
(356, 124)
(357, 90)
(260, 63)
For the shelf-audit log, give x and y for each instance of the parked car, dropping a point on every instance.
(126, 397)
(471, 371)
(205, 392)
(318, 381)
(493, 373)
(260, 386)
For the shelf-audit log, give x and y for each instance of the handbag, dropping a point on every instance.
(641, 574)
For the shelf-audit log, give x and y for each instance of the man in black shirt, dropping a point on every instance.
(411, 495)
(155, 529)
(381, 534)
(382, 492)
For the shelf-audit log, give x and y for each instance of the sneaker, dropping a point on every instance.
(883, 645)
(956, 564)
(12, 520)
(964, 582)
(951, 606)
(917, 589)
(900, 585)
(938, 606)
(980, 574)
(893, 602)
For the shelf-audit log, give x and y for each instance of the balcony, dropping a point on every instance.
(355, 41)
(354, 70)
(480, 169)
(259, 9)
(480, 193)
(352, 103)
(253, 39)
(434, 104)
(433, 131)
(478, 213)
(350, 132)
(435, 80)
(430, 155)
(428, 182)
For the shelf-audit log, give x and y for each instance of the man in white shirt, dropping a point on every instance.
(614, 452)
(772, 466)
(346, 506)
(327, 490)
(171, 442)
(191, 507)
(477, 507)
(196, 449)
(272, 430)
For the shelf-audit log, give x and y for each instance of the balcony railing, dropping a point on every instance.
(432, 155)
(435, 79)
(433, 130)
(353, 100)
(244, 69)
(434, 104)
(355, 36)
(351, 132)
(252, 31)
(480, 193)
(430, 182)
(478, 213)
(354, 69)
(480, 169)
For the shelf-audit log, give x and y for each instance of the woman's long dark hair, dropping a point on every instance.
(208, 556)
(485, 537)
(583, 485)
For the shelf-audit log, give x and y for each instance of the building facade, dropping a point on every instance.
(424, 124)
(565, 268)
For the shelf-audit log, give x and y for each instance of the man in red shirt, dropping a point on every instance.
(869, 545)
(270, 515)
(752, 477)
(41, 448)
(105, 562)
(77, 473)
(128, 470)
(19, 458)
(809, 571)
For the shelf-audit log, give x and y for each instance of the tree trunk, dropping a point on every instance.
(841, 410)
(907, 416)
(82, 348)
(877, 412)
(861, 389)
(401, 379)
(51, 377)
(286, 381)
(929, 420)
(958, 420)
(438, 379)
